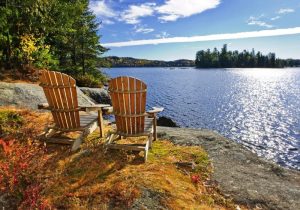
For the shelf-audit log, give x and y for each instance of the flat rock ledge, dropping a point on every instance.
(241, 174)
(24, 95)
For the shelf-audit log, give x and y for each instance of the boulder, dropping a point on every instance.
(26, 95)
(166, 122)
(99, 95)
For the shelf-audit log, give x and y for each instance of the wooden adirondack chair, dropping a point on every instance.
(128, 97)
(61, 94)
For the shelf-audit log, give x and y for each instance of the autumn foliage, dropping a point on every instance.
(38, 176)
(19, 167)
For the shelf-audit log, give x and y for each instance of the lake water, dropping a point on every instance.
(259, 108)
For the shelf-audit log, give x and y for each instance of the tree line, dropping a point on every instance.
(114, 61)
(244, 59)
(53, 34)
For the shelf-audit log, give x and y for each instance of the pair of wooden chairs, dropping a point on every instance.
(128, 97)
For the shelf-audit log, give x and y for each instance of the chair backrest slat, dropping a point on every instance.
(129, 102)
(64, 101)
(132, 105)
(59, 100)
(60, 91)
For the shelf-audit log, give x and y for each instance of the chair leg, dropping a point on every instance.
(154, 127)
(146, 151)
(78, 141)
(111, 138)
(150, 137)
(50, 132)
(100, 123)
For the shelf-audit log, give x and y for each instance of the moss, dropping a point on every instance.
(10, 121)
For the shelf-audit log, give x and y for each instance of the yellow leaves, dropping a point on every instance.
(28, 46)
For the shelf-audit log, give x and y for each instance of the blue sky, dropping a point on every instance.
(124, 22)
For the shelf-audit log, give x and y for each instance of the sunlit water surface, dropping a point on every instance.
(259, 108)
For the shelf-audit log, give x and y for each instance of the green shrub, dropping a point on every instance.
(34, 51)
(89, 80)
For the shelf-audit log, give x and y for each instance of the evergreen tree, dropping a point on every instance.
(54, 34)
(235, 59)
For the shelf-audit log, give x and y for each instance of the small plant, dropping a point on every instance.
(9, 121)
(89, 80)
(195, 178)
(19, 164)
(34, 51)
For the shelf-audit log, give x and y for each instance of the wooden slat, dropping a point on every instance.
(148, 129)
(134, 147)
(138, 106)
(54, 100)
(124, 105)
(75, 101)
(69, 99)
(43, 79)
(143, 104)
(115, 101)
(59, 103)
(132, 105)
(63, 94)
(122, 122)
(127, 108)
(86, 119)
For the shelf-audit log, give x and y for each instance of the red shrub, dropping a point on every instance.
(19, 166)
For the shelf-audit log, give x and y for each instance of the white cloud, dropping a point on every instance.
(256, 21)
(174, 9)
(133, 14)
(260, 23)
(162, 35)
(285, 11)
(213, 37)
(107, 22)
(275, 18)
(142, 29)
(100, 8)
(170, 10)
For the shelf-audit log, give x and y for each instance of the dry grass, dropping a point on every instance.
(97, 179)
(18, 76)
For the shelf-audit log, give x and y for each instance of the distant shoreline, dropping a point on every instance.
(129, 62)
(180, 67)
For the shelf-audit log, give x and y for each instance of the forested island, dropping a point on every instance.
(114, 61)
(244, 59)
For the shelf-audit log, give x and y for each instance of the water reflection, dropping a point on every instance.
(263, 123)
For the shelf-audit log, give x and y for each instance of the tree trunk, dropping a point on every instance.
(82, 57)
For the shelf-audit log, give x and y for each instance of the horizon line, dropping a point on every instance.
(203, 38)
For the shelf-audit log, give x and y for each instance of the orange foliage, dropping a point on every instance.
(96, 178)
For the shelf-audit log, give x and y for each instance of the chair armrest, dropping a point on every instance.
(95, 107)
(155, 110)
(43, 106)
(106, 108)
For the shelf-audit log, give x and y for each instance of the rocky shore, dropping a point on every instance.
(239, 173)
